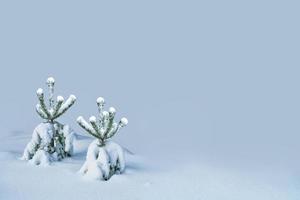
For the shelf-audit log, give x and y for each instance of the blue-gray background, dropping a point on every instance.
(198, 80)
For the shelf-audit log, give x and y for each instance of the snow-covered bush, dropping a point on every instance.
(104, 158)
(51, 140)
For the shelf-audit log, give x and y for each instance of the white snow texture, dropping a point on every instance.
(103, 161)
(38, 148)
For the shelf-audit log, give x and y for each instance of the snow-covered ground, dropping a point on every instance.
(144, 178)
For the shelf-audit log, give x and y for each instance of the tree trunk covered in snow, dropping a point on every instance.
(51, 140)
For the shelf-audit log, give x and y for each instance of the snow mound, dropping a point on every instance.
(50, 142)
(102, 162)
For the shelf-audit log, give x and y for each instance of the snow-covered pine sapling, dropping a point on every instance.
(104, 158)
(51, 140)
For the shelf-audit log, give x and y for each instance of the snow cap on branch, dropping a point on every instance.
(79, 119)
(72, 97)
(50, 81)
(124, 121)
(92, 119)
(39, 92)
(105, 114)
(100, 101)
(112, 110)
(60, 99)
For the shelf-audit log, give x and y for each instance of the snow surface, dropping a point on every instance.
(142, 179)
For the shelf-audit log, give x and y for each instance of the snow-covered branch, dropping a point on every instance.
(86, 126)
(65, 106)
(56, 109)
(105, 127)
(40, 95)
(60, 101)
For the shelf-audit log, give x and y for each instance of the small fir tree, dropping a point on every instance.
(104, 158)
(51, 140)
